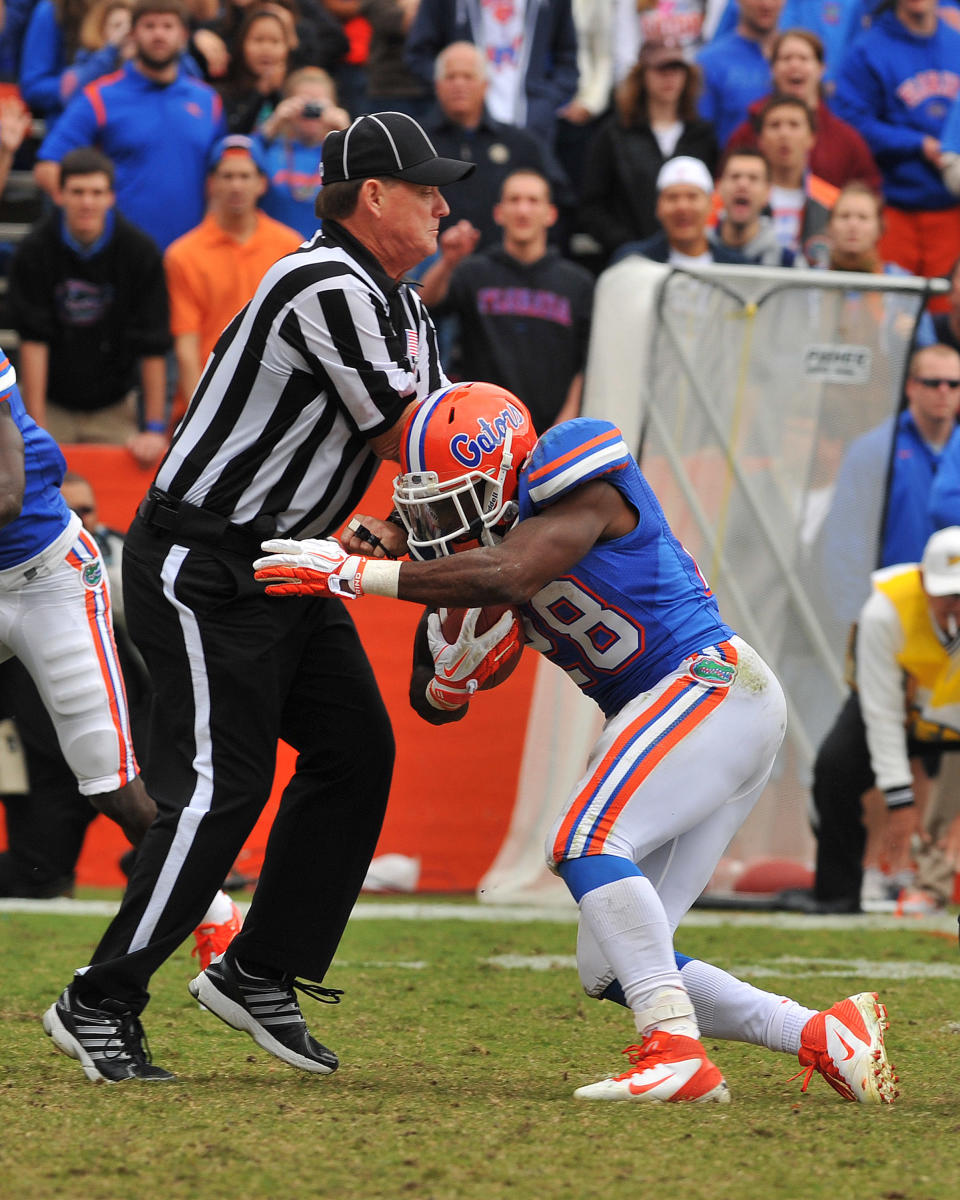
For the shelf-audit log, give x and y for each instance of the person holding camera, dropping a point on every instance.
(214, 269)
(289, 142)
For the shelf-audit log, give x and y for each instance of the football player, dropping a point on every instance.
(568, 529)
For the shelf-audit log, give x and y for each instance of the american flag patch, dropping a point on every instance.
(413, 343)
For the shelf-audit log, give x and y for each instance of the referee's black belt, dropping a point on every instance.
(188, 523)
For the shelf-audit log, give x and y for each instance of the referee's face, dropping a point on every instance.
(410, 223)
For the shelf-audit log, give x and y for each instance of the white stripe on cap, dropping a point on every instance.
(393, 145)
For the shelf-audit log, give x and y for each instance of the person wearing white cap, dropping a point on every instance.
(684, 202)
(905, 704)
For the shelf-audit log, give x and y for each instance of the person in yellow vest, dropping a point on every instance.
(904, 705)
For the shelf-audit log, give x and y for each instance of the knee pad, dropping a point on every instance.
(93, 756)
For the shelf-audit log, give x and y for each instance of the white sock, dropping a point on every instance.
(629, 923)
(729, 1008)
(220, 910)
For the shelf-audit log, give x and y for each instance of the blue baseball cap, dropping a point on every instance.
(236, 143)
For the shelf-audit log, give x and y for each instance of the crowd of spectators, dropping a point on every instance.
(178, 146)
(596, 95)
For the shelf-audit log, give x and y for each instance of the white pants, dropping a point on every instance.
(55, 617)
(672, 778)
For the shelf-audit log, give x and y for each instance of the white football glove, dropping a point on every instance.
(312, 567)
(461, 668)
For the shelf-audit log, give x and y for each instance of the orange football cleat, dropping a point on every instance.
(212, 940)
(666, 1067)
(845, 1044)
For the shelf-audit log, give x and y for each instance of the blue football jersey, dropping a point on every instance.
(44, 514)
(633, 608)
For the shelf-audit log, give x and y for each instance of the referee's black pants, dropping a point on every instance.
(234, 670)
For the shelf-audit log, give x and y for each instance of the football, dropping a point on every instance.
(452, 618)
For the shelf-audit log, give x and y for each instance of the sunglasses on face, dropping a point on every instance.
(953, 384)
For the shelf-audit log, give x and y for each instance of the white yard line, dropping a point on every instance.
(440, 910)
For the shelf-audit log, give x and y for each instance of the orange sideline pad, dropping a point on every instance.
(453, 787)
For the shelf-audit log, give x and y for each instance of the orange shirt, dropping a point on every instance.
(211, 276)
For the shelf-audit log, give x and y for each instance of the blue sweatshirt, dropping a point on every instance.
(158, 136)
(896, 88)
(47, 80)
(945, 491)
(849, 541)
(735, 73)
(835, 22)
(293, 174)
(16, 18)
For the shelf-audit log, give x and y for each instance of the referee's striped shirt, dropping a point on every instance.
(326, 355)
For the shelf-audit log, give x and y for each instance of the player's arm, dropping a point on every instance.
(12, 478)
(537, 550)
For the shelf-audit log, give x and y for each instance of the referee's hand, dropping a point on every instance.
(373, 538)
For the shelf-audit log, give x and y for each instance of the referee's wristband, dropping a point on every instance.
(899, 797)
(154, 427)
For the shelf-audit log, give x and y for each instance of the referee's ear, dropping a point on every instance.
(372, 192)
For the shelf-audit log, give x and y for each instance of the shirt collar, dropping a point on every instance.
(335, 233)
(79, 248)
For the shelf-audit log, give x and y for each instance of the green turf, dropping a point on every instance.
(457, 1078)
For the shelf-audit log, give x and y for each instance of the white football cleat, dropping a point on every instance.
(666, 1067)
(845, 1044)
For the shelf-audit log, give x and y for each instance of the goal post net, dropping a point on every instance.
(761, 405)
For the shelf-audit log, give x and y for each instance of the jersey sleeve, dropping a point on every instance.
(8, 377)
(567, 456)
(76, 126)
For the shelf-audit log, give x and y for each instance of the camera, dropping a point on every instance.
(313, 108)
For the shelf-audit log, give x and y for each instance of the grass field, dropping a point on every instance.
(461, 1042)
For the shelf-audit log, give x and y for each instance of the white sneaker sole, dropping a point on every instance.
(872, 1064)
(237, 1017)
(609, 1089)
(67, 1044)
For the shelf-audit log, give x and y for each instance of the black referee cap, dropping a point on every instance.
(390, 144)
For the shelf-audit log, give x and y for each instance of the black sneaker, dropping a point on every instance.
(268, 1010)
(108, 1041)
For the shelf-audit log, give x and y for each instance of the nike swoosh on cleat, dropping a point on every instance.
(846, 1045)
(682, 1073)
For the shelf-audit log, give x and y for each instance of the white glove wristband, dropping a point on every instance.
(378, 578)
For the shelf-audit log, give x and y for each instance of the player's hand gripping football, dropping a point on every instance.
(312, 567)
(461, 668)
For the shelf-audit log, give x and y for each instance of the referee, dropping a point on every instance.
(306, 389)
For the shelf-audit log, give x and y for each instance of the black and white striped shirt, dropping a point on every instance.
(325, 356)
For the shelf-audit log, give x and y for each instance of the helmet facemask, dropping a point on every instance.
(460, 513)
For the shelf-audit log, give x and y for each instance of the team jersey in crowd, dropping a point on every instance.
(44, 514)
(897, 87)
(158, 136)
(633, 608)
